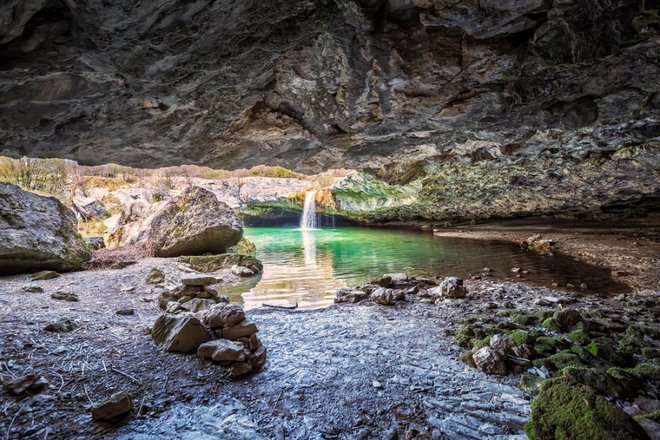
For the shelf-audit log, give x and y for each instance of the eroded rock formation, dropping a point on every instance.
(496, 108)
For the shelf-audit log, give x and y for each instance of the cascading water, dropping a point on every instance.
(308, 220)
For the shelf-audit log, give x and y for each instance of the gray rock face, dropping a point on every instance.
(37, 233)
(193, 223)
(546, 104)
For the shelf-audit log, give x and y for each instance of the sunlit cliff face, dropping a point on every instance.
(467, 99)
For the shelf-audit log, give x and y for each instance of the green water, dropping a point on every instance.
(307, 267)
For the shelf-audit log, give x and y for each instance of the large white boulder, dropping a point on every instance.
(38, 232)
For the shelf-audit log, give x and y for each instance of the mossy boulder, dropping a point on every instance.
(651, 352)
(524, 320)
(547, 345)
(520, 337)
(579, 335)
(599, 380)
(38, 232)
(465, 336)
(606, 348)
(565, 410)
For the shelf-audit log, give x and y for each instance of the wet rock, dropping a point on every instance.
(221, 350)
(38, 233)
(241, 330)
(62, 325)
(155, 276)
(64, 296)
(125, 312)
(33, 289)
(44, 275)
(350, 295)
(180, 334)
(113, 408)
(198, 280)
(383, 296)
(28, 383)
(490, 361)
(223, 315)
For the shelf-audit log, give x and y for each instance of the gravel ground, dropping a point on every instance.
(346, 372)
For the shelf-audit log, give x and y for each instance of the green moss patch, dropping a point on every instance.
(564, 410)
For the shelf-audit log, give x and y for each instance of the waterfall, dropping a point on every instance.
(308, 220)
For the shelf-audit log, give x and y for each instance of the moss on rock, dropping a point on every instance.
(564, 410)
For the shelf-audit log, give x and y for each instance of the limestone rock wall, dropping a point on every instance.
(514, 101)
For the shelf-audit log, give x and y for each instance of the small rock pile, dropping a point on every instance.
(210, 327)
(192, 295)
(391, 288)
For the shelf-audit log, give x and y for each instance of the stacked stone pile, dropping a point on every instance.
(192, 295)
(206, 324)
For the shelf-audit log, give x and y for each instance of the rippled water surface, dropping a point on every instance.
(307, 267)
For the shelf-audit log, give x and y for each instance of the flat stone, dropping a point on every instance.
(45, 275)
(64, 296)
(126, 312)
(33, 289)
(258, 358)
(180, 334)
(198, 280)
(241, 330)
(350, 295)
(221, 350)
(223, 315)
(23, 384)
(198, 304)
(63, 325)
(113, 407)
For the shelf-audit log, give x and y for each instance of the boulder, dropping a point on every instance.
(194, 223)
(38, 233)
(490, 361)
(223, 315)
(243, 329)
(383, 296)
(113, 407)
(221, 350)
(213, 263)
(452, 287)
(180, 334)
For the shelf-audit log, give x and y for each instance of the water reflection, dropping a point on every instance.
(307, 267)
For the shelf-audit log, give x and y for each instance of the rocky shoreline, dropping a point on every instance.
(367, 358)
(630, 247)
